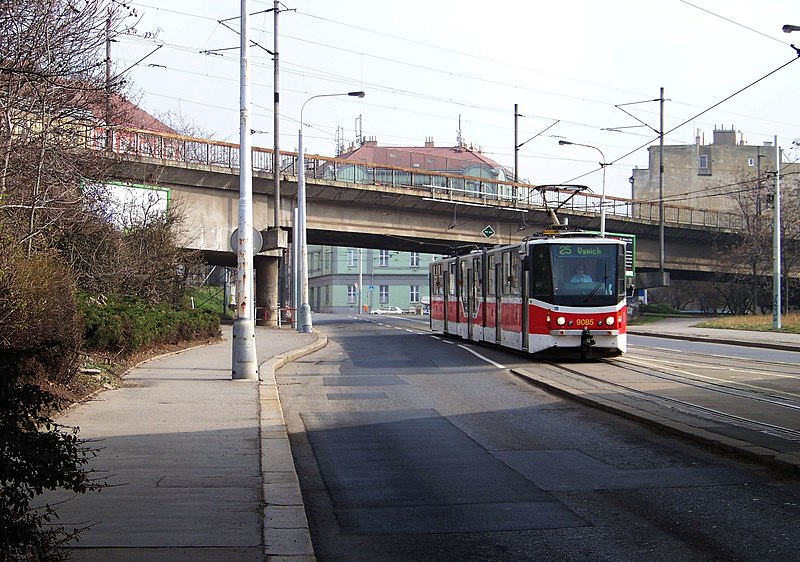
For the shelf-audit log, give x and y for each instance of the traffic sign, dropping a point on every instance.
(488, 231)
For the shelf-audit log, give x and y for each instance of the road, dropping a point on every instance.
(413, 447)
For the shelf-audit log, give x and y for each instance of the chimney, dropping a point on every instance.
(428, 142)
(371, 141)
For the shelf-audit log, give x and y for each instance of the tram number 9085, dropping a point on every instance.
(584, 322)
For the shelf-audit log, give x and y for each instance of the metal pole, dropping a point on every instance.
(276, 157)
(776, 244)
(245, 364)
(304, 314)
(360, 278)
(304, 311)
(295, 267)
(661, 185)
(516, 151)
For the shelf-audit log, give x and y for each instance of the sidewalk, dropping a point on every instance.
(684, 328)
(191, 458)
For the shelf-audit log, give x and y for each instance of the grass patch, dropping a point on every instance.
(790, 323)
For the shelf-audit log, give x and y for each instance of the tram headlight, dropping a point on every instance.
(610, 321)
(561, 321)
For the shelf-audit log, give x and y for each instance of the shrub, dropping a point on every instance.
(124, 325)
(39, 347)
(658, 309)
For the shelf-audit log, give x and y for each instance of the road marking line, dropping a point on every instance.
(478, 355)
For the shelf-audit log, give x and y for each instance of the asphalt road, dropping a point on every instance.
(411, 447)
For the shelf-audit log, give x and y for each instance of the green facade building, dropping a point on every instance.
(337, 275)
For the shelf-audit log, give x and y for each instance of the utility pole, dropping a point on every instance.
(245, 363)
(109, 137)
(661, 185)
(276, 138)
(776, 244)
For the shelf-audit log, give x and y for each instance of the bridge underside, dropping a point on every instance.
(396, 218)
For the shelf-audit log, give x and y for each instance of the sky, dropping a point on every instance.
(437, 69)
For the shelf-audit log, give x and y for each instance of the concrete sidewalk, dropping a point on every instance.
(686, 329)
(198, 465)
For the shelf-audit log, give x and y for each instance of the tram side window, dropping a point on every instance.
(542, 275)
(510, 272)
(463, 279)
(476, 264)
(490, 274)
(436, 274)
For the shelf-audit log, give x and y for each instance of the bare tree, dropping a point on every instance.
(52, 85)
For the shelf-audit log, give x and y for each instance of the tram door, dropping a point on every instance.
(496, 288)
(525, 306)
(446, 296)
(472, 289)
(470, 299)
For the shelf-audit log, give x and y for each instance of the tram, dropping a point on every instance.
(551, 293)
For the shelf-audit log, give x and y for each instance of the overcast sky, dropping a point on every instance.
(428, 65)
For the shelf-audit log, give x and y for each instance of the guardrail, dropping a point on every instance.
(438, 186)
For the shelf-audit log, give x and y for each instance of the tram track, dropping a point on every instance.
(751, 415)
(693, 407)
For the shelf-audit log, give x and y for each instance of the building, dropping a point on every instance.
(705, 176)
(388, 278)
(383, 277)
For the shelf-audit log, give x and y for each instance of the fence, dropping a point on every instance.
(438, 186)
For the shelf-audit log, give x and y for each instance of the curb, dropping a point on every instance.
(285, 526)
(784, 462)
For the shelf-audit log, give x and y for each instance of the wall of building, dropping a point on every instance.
(704, 176)
(332, 271)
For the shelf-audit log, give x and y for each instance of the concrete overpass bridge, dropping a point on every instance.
(358, 204)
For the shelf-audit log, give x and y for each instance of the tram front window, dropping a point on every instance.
(584, 272)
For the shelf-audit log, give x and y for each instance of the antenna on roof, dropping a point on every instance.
(459, 138)
(339, 140)
(359, 132)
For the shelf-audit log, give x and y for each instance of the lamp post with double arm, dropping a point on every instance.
(304, 313)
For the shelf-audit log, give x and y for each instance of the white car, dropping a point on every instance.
(387, 310)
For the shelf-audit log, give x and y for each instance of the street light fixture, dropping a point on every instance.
(304, 314)
(789, 28)
(603, 165)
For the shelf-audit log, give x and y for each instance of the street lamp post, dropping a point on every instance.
(304, 314)
(603, 165)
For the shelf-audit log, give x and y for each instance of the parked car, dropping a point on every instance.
(387, 310)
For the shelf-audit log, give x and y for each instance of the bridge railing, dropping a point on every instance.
(433, 185)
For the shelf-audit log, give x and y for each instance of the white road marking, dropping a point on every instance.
(479, 356)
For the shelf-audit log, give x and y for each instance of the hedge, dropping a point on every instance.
(124, 325)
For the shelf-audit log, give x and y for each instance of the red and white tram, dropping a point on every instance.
(560, 291)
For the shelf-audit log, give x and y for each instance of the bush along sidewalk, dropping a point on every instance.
(125, 325)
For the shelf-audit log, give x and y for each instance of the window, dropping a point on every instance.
(383, 258)
(352, 293)
(352, 257)
(413, 295)
(413, 259)
(383, 294)
(703, 163)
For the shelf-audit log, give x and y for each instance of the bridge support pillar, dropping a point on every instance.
(267, 289)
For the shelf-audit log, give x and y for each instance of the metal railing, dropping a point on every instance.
(439, 186)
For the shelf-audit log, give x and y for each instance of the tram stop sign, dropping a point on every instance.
(488, 231)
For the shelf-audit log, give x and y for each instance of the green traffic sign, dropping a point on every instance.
(488, 231)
